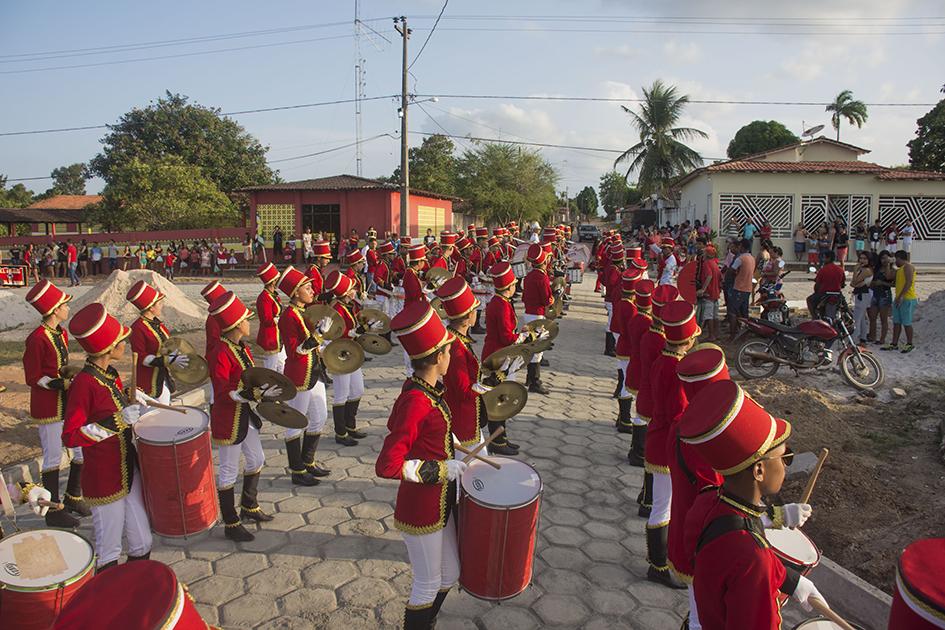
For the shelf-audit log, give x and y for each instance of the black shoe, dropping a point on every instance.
(255, 514)
(72, 498)
(107, 565)
(145, 556)
(664, 577)
(238, 533)
(634, 459)
(544, 362)
(537, 388)
(358, 435)
(303, 479)
(644, 511)
(502, 449)
(309, 446)
(478, 330)
(76, 505)
(345, 440)
(512, 446)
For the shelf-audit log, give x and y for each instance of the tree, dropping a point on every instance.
(17, 196)
(225, 154)
(615, 193)
(504, 182)
(432, 166)
(68, 180)
(927, 149)
(758, 136)
(844, 106)
(163, 194)
(660, 156)
(587, 201)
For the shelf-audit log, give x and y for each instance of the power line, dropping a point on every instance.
(331, 150)
(437, 123)
(667, 18)
(605, 99)
(534, 29)
(429, 35)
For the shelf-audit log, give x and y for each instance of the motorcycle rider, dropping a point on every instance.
(830, 279)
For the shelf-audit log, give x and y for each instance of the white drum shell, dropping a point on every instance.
(162, 426)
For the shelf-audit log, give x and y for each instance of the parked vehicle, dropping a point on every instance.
(811, 345)
(588, 232)
(830, 305)
(774, 306)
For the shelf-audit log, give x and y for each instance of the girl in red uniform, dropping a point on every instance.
(346, 389)
(211, 292)
(321, 256)
(418, 452)
(269, 309)
(537, 297)
(383, 277)
(639, 324)
(612, 293)
(354, 269)
(624, 311)
(45, 354)
(148, 334)
(98, 418)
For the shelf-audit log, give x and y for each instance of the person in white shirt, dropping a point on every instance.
(669, 268)
(906, 233)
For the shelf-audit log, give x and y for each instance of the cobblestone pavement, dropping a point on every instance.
(332, 558)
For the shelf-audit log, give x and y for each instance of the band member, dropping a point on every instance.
(30, 493)
(354, 269)
(321, 256)
(98, 418)
(418, 451)
(737, 576)
(494, 255)
(211, 292)
(347, 389)
(383, 277)
(303, 366)
(441, 255)
(413, 288)
(624, 312)
(460, 254)
(612, 293)
(918, 601)
(148, 334)
(268, 309)
(668, 265)
(398, 265)
(639, 324)
(45, 354)
(233, 423)
(537, 297)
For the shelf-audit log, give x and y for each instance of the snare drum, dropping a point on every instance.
(821, 624)
(498, 526)
(176, 463)
(40, 571)
(794, 549)
(575, 275)
(519, 269)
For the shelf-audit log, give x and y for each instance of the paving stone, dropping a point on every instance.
(372, 509)
(565, 499)
(649, 618)
(563, 582)
(188, 570)
(564, 535)
(462, 604)
(266, 540)
(509, 618)
(564, 558)
(276, 581)
(294, 556)
(564, 516)
(298, 504)
(565, 610)
(328, 516)
(366, 593)
(361, 527)
(241, 565)
(216, 589)
(351, 619)
(167, 555)
(308, 602)
(330, 573)
(249, 610)
(285, 521)
(603, 531)
(341, 499)
(294, 623)
(447, 622)
(611, 576)
(607, 623)
(613, 602)
(382, 569)
(211, 547)
(208, 613)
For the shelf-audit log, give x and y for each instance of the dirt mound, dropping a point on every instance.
(180, 312)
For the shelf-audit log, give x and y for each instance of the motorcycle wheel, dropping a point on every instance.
(863, 371)
(753, 368)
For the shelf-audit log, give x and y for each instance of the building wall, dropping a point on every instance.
(420, 210)
(813, 152)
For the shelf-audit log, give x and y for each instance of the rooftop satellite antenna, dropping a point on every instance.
(809, 133)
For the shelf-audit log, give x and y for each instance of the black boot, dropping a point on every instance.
(249, 506)
(656, 550)
(645, 498)
(623, 424)
(418, 618)
(107, 565)
(610, 345)
(437, 604)
(619, 387)
(146, 556)
(309, 446)
(544, 362)
(351, 421)
(500, 445)
(300, 476)
(73, 498)
(232, 527)
(338, 413)
(637, 444)
(57, 518)
(533, 380)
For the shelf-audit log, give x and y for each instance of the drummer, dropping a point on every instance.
(212, 291)
(737, 576)
(268, 309)
(29, 493)
(537, 297)
(303, 367)
(148, 334)
(98, 418)
(46, 352)
(624, 312)
(233, 422)
(418, 451)
(321, 256)
(347, 389)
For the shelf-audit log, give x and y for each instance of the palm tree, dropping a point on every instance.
(661, 156)
(845, 107)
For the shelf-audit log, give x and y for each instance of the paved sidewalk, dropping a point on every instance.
(332, 558)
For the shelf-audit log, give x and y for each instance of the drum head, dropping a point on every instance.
(514, 485)
(820, 624)
(163, 426)
(43, 558)
(794, 545)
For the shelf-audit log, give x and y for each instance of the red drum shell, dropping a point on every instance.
(497, 543)
(178, 485)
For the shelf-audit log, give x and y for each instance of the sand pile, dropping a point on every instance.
(180, 312)
(15, 311)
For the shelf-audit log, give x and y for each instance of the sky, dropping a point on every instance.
(85, 64)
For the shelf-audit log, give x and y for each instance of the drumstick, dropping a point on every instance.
(462, 449)
(134, 388)
(481, 446)
(52, 505)
(813, 476)
(821, 606)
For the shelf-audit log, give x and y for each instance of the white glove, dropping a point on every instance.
(479, 388)
(804, 591)
(376, 325)
(517, 364)
(143, 399)
(270, 391)
(324, 325)
(544, 334)
(796, 514)
(454, 469)
(523, 337)
(505, 365)
(180, 360)
(131, 414)
(38, 494)
(235, 397)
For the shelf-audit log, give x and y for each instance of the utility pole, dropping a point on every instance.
(358, 84)
(401, 25)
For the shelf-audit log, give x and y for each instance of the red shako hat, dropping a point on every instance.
(536, 254)
(291, 280)
(405, 241)
(46, 297)
(729, 429)
(500, 231)
(679, 321)
(482, 232)
(703, 364)
(634, 252)
(643, 291)
(667, 242)
(143, 296)
(386, 248)
(448, 238)
(416, 253)
(321, 249)
(547, 247)
(494, 241)
(354, 257)
(616, 252)
(662, 295)
(919, 595)
(212, 291)
(470, 229)
(419, 330)
(502, 275)
(96, 331)
(338, 283)
(628, 279)
(457, 298)
(638, 263)
(229, 311)
(267, 272)
(463, 243)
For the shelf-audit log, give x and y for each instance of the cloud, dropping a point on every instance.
(682, 52)
(618, 89)
(624, 51)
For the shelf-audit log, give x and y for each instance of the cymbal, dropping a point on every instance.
(554, 311)
(437, 305)
(257, 376)
(343, 356)
(495, 360)
(505, 400)
(369, 315)
(69, 371)
(278, 412)
(316, 313)
(543, 323)
(558, 283)
(178, 345)
(437, 276)
(197, 371)
(374, 344)
(539, 345)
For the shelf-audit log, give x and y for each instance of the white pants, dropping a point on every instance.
(434, 560)
(623, 365)
(694, 623)
(536, 358)
(662, 499)
(861, 323)
(610, 313)
(50, 438)
(228, 457)
(347, 387)
(274, 361)
(313, 404)
(127, 517)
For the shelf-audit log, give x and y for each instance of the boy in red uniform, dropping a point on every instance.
(624, 312)
(383, 278)
(737, 576)
(413, 288)
(354, 269)
(211, 292)
(268, 310)
(98, 418)
(536, 295)
(233, 422)
(346, 389)
(612, 293)
(418, 451)
(321, 256)
(45, 354)
(639, 324)
(148, 334)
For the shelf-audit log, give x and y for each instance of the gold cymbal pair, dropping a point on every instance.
(258, 376)
(493, 363)
(369, 316)
(436, 276)
(197, 371)
(343, 356)
(505, 400)
(316, 313)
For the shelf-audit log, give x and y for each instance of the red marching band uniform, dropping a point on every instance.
(464, 402)
(268, 311)
(919, 595)
(536, 297)
(500, 333)
(625, 310)
(639, 324)
(413, 288)
(347, 389)
(148, 334)
(211, 292)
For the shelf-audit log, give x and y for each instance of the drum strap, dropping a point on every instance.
(729, 523)
(682, 462)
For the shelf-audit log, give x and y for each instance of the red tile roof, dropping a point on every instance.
(903, 174)
(67, 202)
(758, 166)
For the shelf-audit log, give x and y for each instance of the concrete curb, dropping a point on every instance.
(854, 598)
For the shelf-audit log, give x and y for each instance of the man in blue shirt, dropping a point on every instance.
(748, 232)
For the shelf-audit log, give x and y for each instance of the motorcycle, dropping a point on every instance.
(808, 346)
(774, 306)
